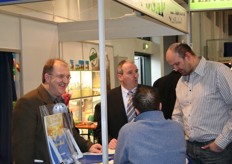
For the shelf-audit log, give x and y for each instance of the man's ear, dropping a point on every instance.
(47, 77)
(188, 56)
(160, 106)
(119, 76)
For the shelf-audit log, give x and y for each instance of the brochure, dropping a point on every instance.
(96, 157)
(61, 144)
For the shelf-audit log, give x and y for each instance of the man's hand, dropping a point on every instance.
(213, 147)
(96, 148)
(113, 143)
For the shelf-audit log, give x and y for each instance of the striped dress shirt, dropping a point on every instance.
(204, 103)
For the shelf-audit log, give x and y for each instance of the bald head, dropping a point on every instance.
(179, 49)
(181, 57)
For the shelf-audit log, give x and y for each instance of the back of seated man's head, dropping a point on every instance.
(146, 98)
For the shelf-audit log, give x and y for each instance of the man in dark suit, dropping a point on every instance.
(29, 142)
(117, 98)
(167, 91)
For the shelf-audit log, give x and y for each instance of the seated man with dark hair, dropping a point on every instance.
(147, 139)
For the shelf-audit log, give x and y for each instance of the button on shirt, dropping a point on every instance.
(204, 103)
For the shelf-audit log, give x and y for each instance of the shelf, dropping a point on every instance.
(225, 59)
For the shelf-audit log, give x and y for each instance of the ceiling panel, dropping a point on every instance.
(124, 27)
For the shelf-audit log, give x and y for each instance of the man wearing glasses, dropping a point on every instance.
(29, 142)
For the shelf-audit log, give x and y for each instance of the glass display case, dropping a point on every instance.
(84, 88)
(74, 87)
(86, 83)
(83, 107)
(96, 83)
(75, 109)
(87, 108)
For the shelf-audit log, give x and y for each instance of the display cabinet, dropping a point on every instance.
(84, 88)
(75, 109)
(86, 83)
(74, 87)
(96, 83)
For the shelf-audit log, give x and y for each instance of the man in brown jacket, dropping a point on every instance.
(29, 142)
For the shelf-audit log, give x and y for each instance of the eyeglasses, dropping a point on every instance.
(61, 76)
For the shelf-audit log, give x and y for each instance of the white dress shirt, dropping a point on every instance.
(204, 103)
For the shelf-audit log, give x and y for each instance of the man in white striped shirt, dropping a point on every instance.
(203, 105)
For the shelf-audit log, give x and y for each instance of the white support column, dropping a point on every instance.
(104, 127)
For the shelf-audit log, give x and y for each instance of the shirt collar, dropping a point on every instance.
(150, 115)
(201, 66)
(199, 70)
(124, 90)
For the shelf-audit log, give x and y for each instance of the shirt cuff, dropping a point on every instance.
(222, 142)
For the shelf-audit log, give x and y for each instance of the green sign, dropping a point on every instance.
(204, 5)
(166, 11)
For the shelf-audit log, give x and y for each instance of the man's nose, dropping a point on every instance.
(66, 80)
(136, 74)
